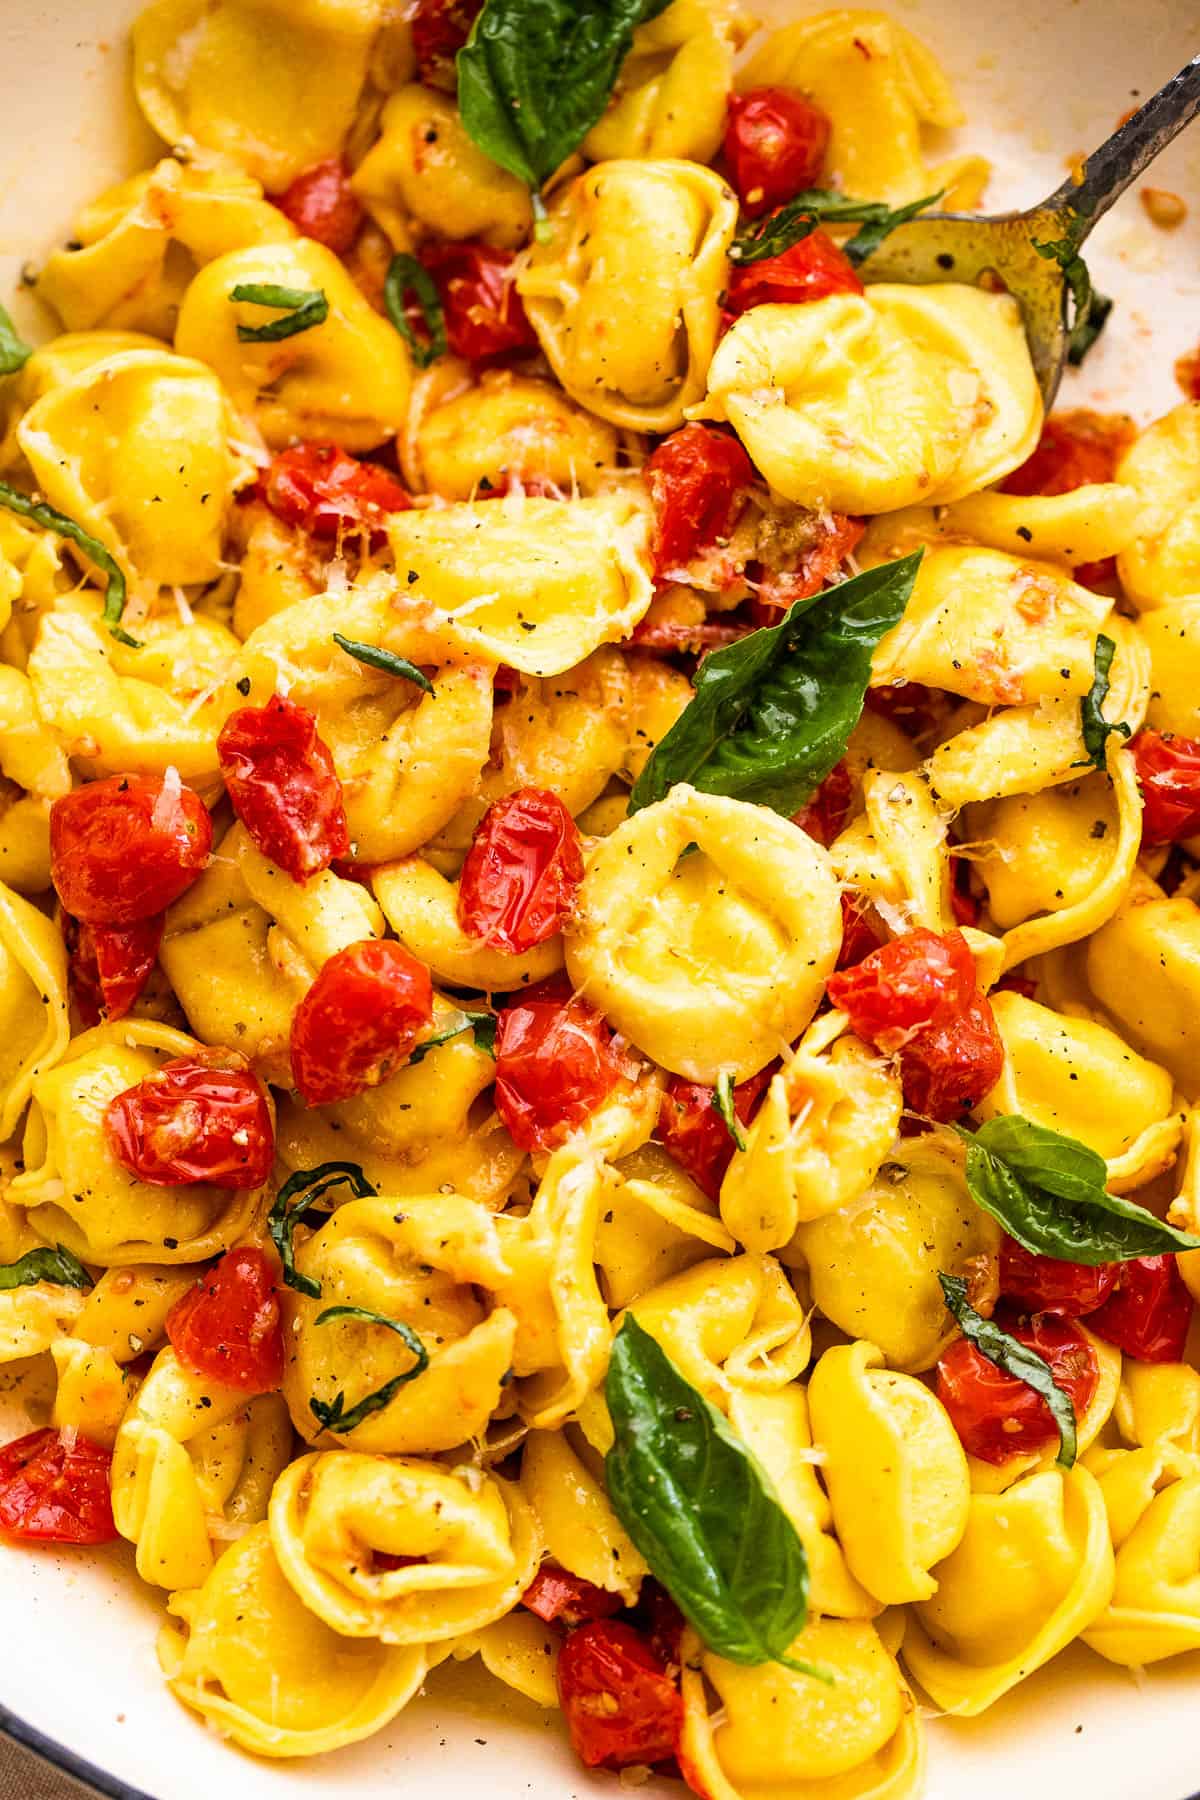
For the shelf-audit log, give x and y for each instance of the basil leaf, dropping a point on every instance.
(1015, 1359)
(482, 1024)
(1096, 728)
(723, 1103)
(1089, 310)
(303, 308)
(57, 1265)
(14, 351)
(50, 519)
(384, 660)
(1049, 1192)
(771, 714)
(800, 217)
(701, 1509)
(298, 1193)
(406, 275)
(338, 1416)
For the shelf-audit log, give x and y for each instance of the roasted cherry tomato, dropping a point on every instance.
(837, 537)
(908, 704)
(997, 1415)
(660, 1620)
(1149, 1311)
(195, 1120)
(519, 879)
(321, 489)
(124, 848)
(811, 270)
(620, 1704)
(109, 965)
(358, 1021)
(229, 1328)
(283, 786)
(775, 144)
(322, 205)
(947, 1069)
(477, 287)
(1042, 1284)
(440, 28)
(556, 1594)
(694, 1134)
(1168, 769)
(556, 1062)
(825, 814)
(918, 980)
(859, 935)
(696, 477)
(1076, 449)
(54, 1489)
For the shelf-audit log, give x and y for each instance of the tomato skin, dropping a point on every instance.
(859, 936)
(1076, 449)
(1042, 1284)
(695, 478)
(1149, 1311)
(521, 873)
(484, 313)
(909, 704)
(109, 965)
(440, 28)
(555, 1594)
(839, 537)
(620, 1704)
(901, 989)
(775, 145)
(194, 1120)
(996, 1415)
(948, 1068)
(694, 1134)
(229, 1328)
(359, 1020)
(323, 206)
(54, 1494)
(1168, 770)
(825, 814)
(122, 849)
(283, 786)
(320, 488)
(811, 270)
(555, 1064)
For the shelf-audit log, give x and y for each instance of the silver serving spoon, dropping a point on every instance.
(960, 247)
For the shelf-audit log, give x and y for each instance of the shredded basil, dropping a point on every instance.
(1095, 727)
(57, 1265)
(1090, 310)
(481, 1024)
(1015, 1359)
(302, 309)
(723, 1103)
(800, 217)
(52, 520)
(298, 1193)
(406, 275)
(338, 1417)
(14, 351)
(384, 660)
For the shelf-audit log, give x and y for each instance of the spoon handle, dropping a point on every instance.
(1109, 170)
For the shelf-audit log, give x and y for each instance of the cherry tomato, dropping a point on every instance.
(476, 285)
(1076, 449)
(997, 1415)
(658, 1617)
(440, 28)
(859, 935)
(1043, 1284)
(281, 781)
(811, 270)
(948, 1068)
(1168, 769)
(358, 1021)
(696, 477)
(520, 875)
(555, 1594)
(677, 637)
(908, 704)
(229, 1328)
(621, 1706)
(194, 1120)
(694, 1134)
(321, 489)
(124, 848)
(1149, 1311)
(54, 1489)
(109, 965)
(838, 537)
(555, 1064)
(323, 206)
(775, 144)
(965, 905)
(825, 814)
(918, 980)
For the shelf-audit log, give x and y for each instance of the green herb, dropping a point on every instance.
(1049, 1192)
(302, 308)
(771, 714)
(723, 1102)
(57, 1265)
(1090, 310)
(384, 660)
(406, 275)
(338, 1417)
(298, 1193)
(52, 520)
(800, 217)
(1015, 1359)
(1096, 728)
(482, 1024)
(701, 1509)
(14, 351)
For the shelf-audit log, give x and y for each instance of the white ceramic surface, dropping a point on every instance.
(1042, 80)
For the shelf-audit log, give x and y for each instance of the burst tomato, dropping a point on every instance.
(556, 1062)
(109, 965)
(556, 1594)
(694, 1134)
(1149, 1311)
(55, 1489)
(1043, 1284)
(440, 28)
(283, 786)
(947, 1069)
(1168, 770)
(996, 1415)
(519, 879)
(620, 1704)
(908, 704)
(775, 145)
(1076, 449)
(695, 477)
(319, 488)
(124, 848)
(194, 1120)
(229, 1328)
(824, 815)
(323, 206)
(811, 270)
(859, 935)
(918, 980)
(476, 285)
(837, 538)
(358, 1021)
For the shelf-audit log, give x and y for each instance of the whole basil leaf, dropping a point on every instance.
(14, 351)
(50, 519)
(701, 1509)
(799, 218)
(1015, 1358)
(57, 1265)
(1050, 1193)
(337, 1416)
(298, 1193)
(771, 714)
(1095, 727)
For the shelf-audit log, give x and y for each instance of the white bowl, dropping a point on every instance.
(1042, 80)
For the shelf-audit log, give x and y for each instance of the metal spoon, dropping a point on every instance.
(959, 247)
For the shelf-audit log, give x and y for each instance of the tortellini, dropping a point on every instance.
(511, 429)
(1173, 636)
(421, 908)
(729, 1324)
(1163, 467)
(1143, 967)
(657, 1223)
(563, 1482)
(670, 97)
(425, 170)
(33, 1003)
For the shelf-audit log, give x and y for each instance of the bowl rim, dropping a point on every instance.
(88, 1774)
